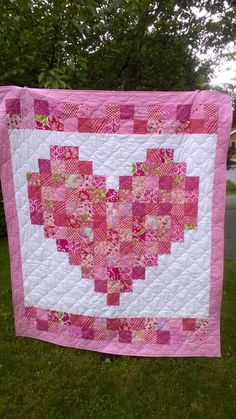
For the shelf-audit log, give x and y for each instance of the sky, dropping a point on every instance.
(224, 73)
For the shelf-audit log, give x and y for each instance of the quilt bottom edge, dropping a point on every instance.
(202, 351)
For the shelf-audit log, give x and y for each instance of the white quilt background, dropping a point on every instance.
(178, 287)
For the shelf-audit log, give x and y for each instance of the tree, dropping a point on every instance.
(112, 44)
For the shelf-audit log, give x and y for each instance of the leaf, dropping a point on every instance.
(113, 44)
(41, 76)
(83, 65)
(134, 167)
(41, 118)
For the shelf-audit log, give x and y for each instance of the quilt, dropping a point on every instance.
(115, 213)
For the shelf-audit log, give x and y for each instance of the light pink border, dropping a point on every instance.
(211, 345)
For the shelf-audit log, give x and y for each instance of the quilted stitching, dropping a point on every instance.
(157, 335)
(113, 234)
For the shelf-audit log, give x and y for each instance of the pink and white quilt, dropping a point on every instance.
(115, 213)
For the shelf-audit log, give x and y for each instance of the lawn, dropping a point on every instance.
(230, 188)
(41, 380)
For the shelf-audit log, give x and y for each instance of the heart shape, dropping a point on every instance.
(113, 234)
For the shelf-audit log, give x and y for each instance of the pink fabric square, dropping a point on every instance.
(164, 248)
(72, 166)
(210, 125)
(138, 272)
(84, 125)
(166, 182)
(140, 112)
(57, 152)
(113, 323)
(59, 194)
(69, 109)
(164, 209)
(74, 258)
(177, 230)
(156, 112)
(125, 336)
(71, 124)
(62, 245)
(113, 110)
(42, 325)
(170, 112)
(88, 334)
(126, 126)
(41, 107)
(34, 192)
(125, 182)
(184, 112)
(112, 195)
(113, 273)
(61, 233)
(151, 182)
(31, 312)
(13, 106)
(100, 286)
(85, 167)
(189, 324)
(140, 126)
(198, 111)
(44, 166)
(36, 217)
(113, 299)
(191, 183)
(126, 111)
(100, 273)
(163, 337)
(196, 126)
(138, 209)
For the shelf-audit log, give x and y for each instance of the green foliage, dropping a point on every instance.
(3, 229)
(231, 187)
(111, 44)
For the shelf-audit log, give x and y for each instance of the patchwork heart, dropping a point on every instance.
(113, 234)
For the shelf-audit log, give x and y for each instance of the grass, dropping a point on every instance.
(230, 188)
(42, 380)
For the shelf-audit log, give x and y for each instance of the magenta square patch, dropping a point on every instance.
(113, 299)
(125, 336)
(41, 107)
(100, 286)
(164, 209)
(138, 209)
(113, 324)
(191, 183)
(88, 334)
(13, 106)
(112, 195)
(84, 125)
(189, 324)
(163, 337)
(140, 126)
(125, 182)
(165, 182)
(183, 112)
(138, 272)
(126, 111)
(44, 166)
(62, 245)
(42, 325)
